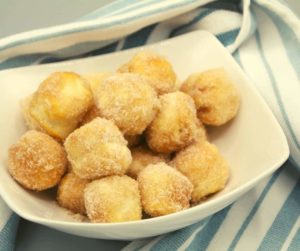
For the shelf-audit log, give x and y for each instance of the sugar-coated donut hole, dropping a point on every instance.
(59, 104)
(37, 161)
(175, 125)
(155, 67)
(96, 79)
(127, 123)
(164, 190)
(204, 166)
(98, 149)
(113, 199)
(91, 114)
(216, 98)
(141, 158)
(128, 100)
(200, 134)
(70, 193)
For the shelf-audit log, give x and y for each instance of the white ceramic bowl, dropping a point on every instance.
(253, 143)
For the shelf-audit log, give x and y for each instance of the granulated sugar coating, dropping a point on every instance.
(142, 157)
(97, 149)
(174, 126)
(133, 140)
(37, 161)
(131, 122)
(155, 67)
(29, 120)
(96, 79)
(59, 104)
(70, 193)
(113, 199)
(164, 190)
(128, 100)
(204, 166)
(200, 134)
(92, 113)
(216, 98)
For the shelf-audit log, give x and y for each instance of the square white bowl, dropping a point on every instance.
(253, 143)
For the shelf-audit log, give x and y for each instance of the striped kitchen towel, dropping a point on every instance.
(263, 36)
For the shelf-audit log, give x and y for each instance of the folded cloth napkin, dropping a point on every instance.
(263, 36)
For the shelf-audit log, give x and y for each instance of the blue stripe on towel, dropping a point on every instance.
(281, 104)
(174, 240)
(85, 49)
(231, 5)
(289, 39)
(205, 236)
(8, 233)
(283, 222)
(228, 37)
(138, 38)
(195, 20)
(295, 244)
(19, 61)
(97, 26)
(255, 208)
(103, 50)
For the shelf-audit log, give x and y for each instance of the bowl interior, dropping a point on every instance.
(253, 143)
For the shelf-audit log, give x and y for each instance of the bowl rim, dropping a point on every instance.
(202, 206)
